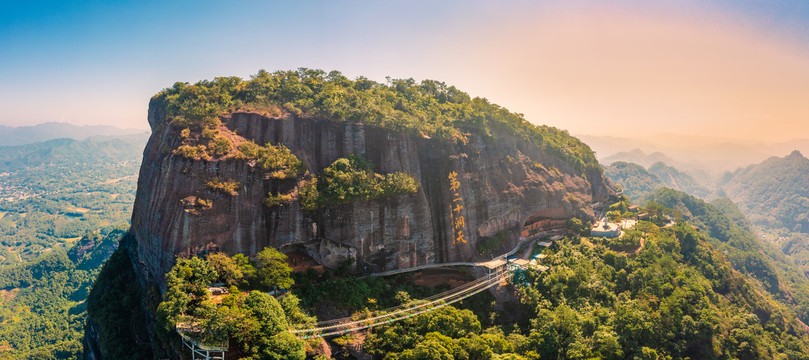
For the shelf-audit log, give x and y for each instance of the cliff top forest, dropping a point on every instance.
(430, 108)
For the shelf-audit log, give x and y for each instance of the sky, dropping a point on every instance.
(734, 69)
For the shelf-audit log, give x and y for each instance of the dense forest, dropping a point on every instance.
(429, 108)
(43, 312)
(729, 231)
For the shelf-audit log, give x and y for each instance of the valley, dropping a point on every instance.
(65, 205)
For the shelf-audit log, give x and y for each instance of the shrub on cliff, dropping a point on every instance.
(350, 179)
(276, 200)
(192, 152)
(221, 146)
(249, 149)
(429, 108)
(279, 160)
(224, 186)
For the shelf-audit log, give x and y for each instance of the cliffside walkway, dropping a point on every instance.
(199, 350)
(348, 325)
(491, 264)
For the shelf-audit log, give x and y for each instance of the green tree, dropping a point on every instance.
(225, 266)
(272, 270)
(243, 263)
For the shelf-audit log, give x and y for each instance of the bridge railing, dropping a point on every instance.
(347, 325)
(450, 264)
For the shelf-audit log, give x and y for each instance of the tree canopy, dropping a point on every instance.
(429, 108)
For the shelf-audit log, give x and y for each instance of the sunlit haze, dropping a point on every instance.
(724, 69)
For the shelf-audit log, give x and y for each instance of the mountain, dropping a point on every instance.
(773, 193)
(367, 177)
(705, 158)
(343, 183)
(67, 151)
(638, 157)
(636, 181)
(633, 179)
(678, 180)
(21, 135)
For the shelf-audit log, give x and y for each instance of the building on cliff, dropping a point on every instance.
(539, 226)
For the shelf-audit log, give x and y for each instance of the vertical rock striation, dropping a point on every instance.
(502, 181)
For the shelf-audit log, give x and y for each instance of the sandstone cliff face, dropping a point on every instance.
(501, 183)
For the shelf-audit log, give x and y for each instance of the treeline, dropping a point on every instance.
(429, 108)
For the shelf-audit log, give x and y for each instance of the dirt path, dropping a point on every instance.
(642, 242)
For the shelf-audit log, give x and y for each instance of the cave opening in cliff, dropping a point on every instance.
(299, 259)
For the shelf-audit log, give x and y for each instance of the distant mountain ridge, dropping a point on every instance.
(673, 178)
(704, 157)
(637, 156)
(773, 193)
(21, 135)
(63, 150)
(637, 181)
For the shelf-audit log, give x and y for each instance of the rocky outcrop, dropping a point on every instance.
(501, 182)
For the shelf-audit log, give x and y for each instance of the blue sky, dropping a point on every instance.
(571, 64)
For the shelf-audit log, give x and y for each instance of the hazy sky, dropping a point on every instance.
(736, 69)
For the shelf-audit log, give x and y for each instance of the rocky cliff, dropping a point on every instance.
(501, 183)
(481, 172)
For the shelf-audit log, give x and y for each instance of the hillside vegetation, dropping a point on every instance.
(675, 297)
(633, 179)
(637, 181)
(775, 196)
(774, 193)
(42, 312)
(429, 108)
(729, 232)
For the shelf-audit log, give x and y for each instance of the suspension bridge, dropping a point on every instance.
(499, 270)
(336, 327)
